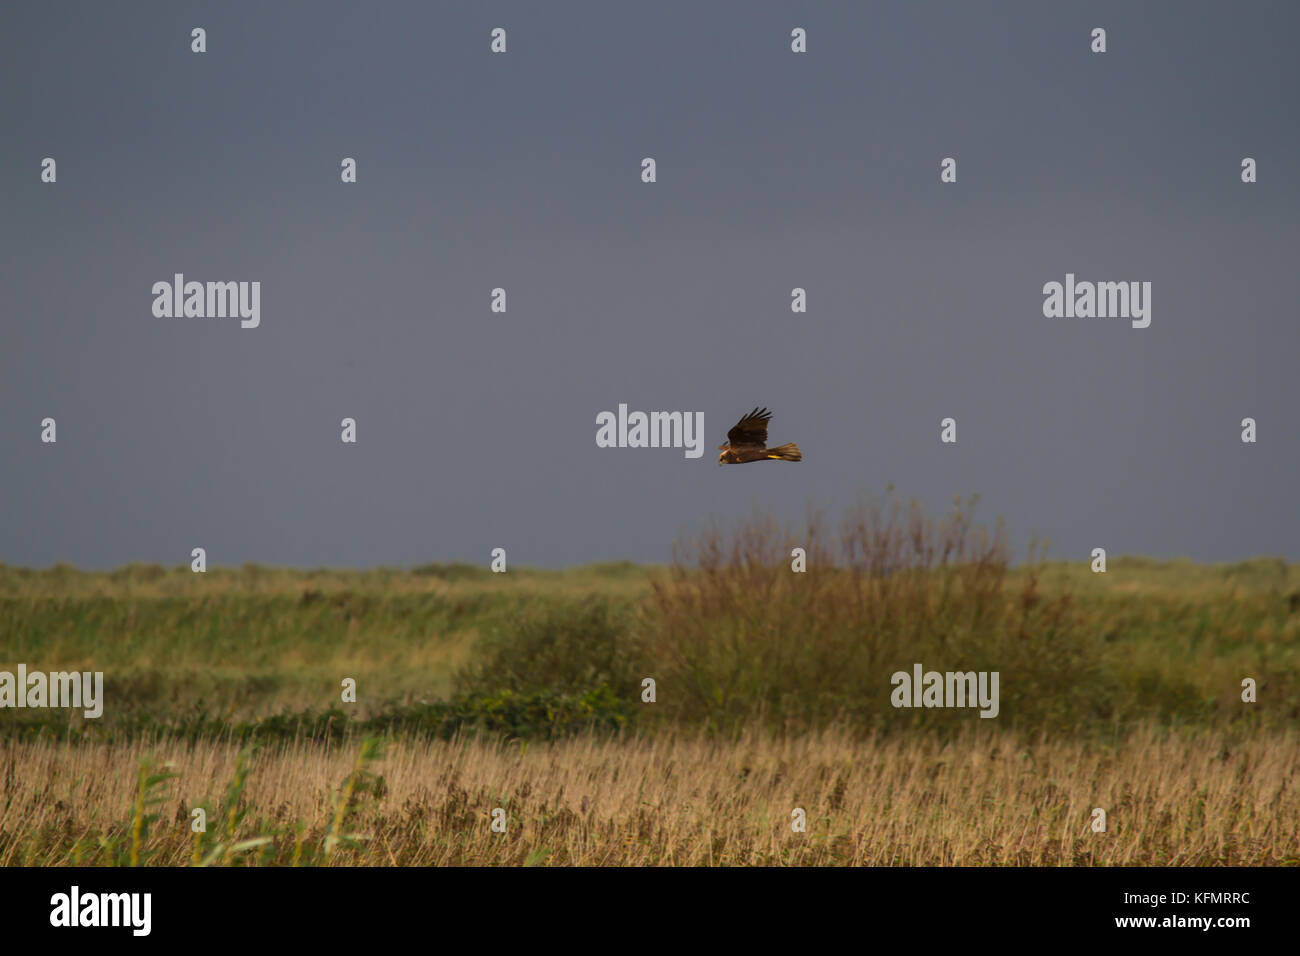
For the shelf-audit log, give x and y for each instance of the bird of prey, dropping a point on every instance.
(747, 441)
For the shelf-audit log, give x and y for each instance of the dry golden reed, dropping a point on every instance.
(979, 798)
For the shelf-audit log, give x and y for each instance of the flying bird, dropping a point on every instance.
(747, 441)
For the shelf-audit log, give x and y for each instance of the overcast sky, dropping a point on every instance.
(523, 171)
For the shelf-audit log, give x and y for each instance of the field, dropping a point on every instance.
(1178, 799)
(523, 692)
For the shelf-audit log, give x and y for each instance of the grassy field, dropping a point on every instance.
(981, 798)
(523, 691)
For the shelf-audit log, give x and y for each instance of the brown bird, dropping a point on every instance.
(747, 441)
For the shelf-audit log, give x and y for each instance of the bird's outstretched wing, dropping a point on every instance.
(751, 430)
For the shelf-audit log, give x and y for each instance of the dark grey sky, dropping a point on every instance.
(523, 171)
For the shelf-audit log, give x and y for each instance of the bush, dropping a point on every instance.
(564, 647)
(737, 636)
(538, 714)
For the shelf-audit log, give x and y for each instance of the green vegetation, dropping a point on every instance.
(728, 632)
(523, 691)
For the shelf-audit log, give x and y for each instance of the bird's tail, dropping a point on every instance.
(786, 452)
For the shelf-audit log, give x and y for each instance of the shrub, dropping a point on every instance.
(738, 636)
(565, 647)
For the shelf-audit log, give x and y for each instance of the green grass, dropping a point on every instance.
(729, 633)
(523, 690)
